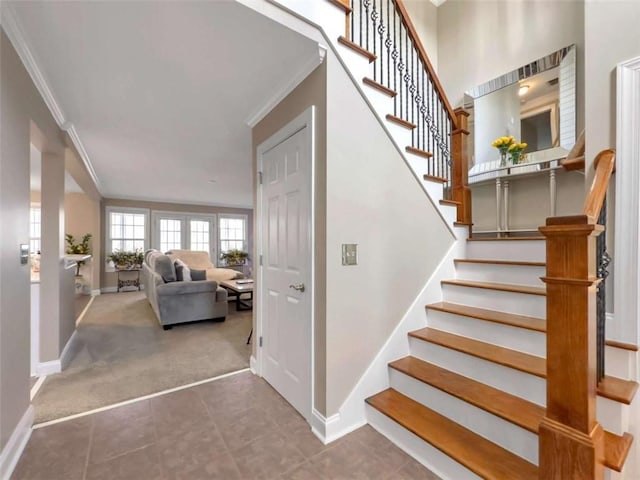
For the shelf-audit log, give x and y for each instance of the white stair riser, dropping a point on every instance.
(381, 103)
(512, 381)
(434, 190)
(511, 274)
(613, 416)
(510, 302)
(449, 213)
(501, 432)
(400, 135)
(516, 250)
(521, 339)
(619, 362)
(356, 63)
(436, 461)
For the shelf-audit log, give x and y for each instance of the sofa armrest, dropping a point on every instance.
(182, 288)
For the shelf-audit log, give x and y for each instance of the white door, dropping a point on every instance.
(286, 272)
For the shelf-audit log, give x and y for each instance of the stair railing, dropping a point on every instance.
(383, 27)
(571, 440)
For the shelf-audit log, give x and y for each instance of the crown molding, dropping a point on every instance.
(313, 63)
(16, 35)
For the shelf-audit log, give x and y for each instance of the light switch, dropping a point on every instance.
(349, 254)
(24, 254)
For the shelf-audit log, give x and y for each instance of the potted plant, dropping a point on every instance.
(81, 248)
(234, 257)
(126, 259)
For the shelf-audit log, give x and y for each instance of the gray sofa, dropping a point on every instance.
(180, 301)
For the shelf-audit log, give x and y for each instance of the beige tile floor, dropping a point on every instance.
(233, 428)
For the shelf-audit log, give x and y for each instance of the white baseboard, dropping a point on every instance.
(48, 368)
(252, 365)
(15, 446)
(115, 290)
(95, 292)
(352, 414)
(36, 387)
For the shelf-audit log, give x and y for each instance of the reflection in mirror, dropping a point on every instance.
(535, 103)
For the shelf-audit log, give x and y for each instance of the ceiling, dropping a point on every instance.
(159, 93)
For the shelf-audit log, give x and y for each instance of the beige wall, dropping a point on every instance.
(108, 279)
(312, 91)
(20, 105)
(481, 40)
(424, 16)
(81, 216)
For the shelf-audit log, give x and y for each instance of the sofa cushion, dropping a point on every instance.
(198, 274)
(183, 272)
(163, 266)
(193, 258)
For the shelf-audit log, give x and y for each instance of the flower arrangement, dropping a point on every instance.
(234, 257)
(515, 152)
(81, 248)
(126, 260)
(503, 144)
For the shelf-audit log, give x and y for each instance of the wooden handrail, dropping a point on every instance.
(405, 18)
(605, 165)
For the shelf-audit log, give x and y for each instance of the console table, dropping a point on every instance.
(129, 282)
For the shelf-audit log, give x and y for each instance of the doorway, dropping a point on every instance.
(285, 290)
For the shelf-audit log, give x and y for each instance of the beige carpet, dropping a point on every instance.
(124, 353)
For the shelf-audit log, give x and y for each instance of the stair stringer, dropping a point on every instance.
(352, 413)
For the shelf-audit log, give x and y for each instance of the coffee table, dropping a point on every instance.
(238, 289)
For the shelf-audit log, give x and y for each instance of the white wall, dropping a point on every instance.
(373, 200)
(424, 16)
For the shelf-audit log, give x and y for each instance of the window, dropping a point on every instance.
(170, 234)
(127, 229)
(200, 236)
(190, 231)
(35, 223)
(233, 232)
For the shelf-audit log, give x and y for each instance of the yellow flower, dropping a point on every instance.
(523, 145)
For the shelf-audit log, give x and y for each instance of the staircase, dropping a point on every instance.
(473, 388)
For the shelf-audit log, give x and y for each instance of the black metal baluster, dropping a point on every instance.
(374, 18)
(394, 54)
(366, 4)
(602, 262)
(388, 45)
(406, 72)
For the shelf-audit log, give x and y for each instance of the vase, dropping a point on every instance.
(503, 159)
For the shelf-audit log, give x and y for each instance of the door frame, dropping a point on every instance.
(305, 120)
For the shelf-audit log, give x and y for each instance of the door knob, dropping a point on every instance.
(299, 287)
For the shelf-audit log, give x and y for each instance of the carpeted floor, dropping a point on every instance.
(124, 353)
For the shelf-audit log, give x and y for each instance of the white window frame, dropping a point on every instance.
(185, 230)
(245, 246)
(113, 209)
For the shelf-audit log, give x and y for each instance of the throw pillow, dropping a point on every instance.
(183, 272)
(198, 275)
(164, 267)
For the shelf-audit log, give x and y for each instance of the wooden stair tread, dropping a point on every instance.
(417, 151)
(624, 346)
(451, 203)
(357, 48)
(513, 409)
(400, 121)
(503, 287)
(479, 455)
(576, 163)
(500, 262)
(616, 449)
(433, 178)
(493, 353)
(512, 319)
(381, 88)
(617, 389)
(502, 239)
(504, 405)
(462, 224)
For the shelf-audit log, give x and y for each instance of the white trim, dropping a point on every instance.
(95, 292)
(331, 429)
(109, 289)
(15, 446)
(624, 327)
(108, 210)
(313, 63)
(134, 400)
(252, 365)
(84, 311)
(305, 120)
(48, 368)
(17, 37)
(36, 387)
(65, 357)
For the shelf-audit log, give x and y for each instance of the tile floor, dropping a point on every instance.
(233, 428)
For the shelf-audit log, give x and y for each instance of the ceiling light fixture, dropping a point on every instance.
(523, 89)
(212, 181)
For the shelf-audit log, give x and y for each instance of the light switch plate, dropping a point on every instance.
(349, 254)
(24, 254)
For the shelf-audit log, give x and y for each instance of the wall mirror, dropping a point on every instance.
(535, 103)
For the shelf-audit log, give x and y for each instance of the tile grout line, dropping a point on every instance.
(138, 399)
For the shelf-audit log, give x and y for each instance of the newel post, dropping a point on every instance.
(571, 441)
(460, 168)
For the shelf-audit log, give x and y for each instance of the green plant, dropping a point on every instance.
(234, 257)
(126, 259)
(82, 248)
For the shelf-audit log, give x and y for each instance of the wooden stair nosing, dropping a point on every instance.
(450, 203)
(338, 3)
(357, 48)
(485, 459)
(622, 345)
(504, 318)
(381, 88)
(433, 178)
(500, 262)
(400, 121)
(417, 151)
(462, 224)
(511, 408)
(617, 389)
(503, 287)
(506, 357)
(495, 239)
